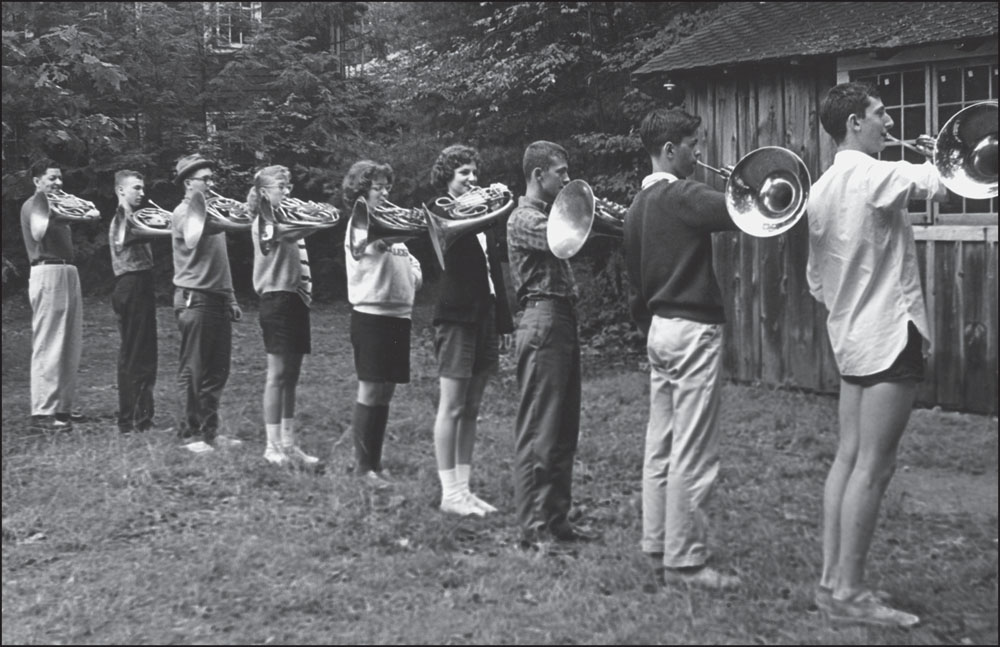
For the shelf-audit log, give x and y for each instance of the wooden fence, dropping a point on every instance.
(776, 332)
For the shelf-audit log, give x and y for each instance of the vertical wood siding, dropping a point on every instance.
(775, 331)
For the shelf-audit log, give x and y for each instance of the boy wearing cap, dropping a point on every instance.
(205, 307)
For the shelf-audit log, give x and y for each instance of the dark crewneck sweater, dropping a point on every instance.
(668, 251)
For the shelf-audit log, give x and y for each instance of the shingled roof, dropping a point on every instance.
(757, 32)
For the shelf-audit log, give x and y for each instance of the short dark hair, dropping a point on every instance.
(40, 166)
(662, 125)
(359, 178)
(450, 159)
(542, 154)
(841, 102)
(125, 174)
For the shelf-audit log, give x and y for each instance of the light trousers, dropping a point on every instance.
(681, 457)
(56, 337)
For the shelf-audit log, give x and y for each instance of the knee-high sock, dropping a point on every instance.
(379, 418)
(362, 437)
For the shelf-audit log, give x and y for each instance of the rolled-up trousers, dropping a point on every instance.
(682, 441)
(548, 418)
(134, 303)
(56, 337)
(206, 344)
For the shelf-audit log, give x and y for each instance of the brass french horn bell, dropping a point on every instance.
(472, 213)
(60, 207)
(577, 215)
(965, 151)
(390, 224)
(292, 219)
(207, 216)
(143, 224)
(767, 191)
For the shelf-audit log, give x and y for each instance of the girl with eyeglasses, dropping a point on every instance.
(381, 284)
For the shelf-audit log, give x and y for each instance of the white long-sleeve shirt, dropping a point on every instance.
(862, 258)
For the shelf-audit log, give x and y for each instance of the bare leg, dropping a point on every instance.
(843, 464)
(467, 424)
(885, 410)
(451, 407)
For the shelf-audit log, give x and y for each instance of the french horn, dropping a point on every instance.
(965, 151)
(388, 223)
(143, 224)
(577, 215)
(60, 207)
(293, 219)
(470, 213)
(766, 191)
(213, 215)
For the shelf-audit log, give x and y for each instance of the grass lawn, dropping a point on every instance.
(112, 539)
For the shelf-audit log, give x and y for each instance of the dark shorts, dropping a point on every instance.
(908, 367)
(467, 349)
(381, 347)
(284, 320)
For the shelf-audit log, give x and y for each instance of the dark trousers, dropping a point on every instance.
(134, 303)
(206, 344)
(548, 418)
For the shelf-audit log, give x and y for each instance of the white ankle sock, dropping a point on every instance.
(450, 487)
(462, 475)
(288, 433)
(273, 434)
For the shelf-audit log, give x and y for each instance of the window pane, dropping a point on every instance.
(945, 113)
(977, 83)
(870, 80)
(952, 205)
(895, 115)
(913, 87)
(888, 87)
(913, 122)
(917, 208)
(892, 153)
(977, 206)
(949, 86)
(913, 156)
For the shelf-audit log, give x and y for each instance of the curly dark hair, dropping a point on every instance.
(449, 160)
(841, 102)
(359, 178)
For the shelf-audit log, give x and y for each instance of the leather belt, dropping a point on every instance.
(49, 261)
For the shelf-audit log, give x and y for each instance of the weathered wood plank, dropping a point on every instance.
(949, 352)
(771, 298)
(979, 385)
(802, 138)
(927, 390)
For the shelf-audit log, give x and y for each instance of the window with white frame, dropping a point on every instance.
(920, 98)
(231, 24)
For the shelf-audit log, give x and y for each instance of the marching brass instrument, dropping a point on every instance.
(767, 191)
(965, 151)
(470, 213)
(213, 215)
(58, 206)
(293, 219)
(388, 223)
(143, 224)
(577, 215)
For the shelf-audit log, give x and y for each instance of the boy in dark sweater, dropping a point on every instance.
(677, 303)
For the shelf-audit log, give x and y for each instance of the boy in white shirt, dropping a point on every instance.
(863, 267)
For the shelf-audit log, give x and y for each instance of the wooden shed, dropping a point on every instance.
(756, 75)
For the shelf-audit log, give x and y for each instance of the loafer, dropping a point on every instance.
(463, 507)
(375, 480)
(296, 454)
(198, 447)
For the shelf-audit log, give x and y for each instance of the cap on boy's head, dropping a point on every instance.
(188, 165)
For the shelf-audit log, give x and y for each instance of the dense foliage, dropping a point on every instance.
(103, 86)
